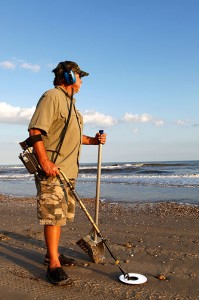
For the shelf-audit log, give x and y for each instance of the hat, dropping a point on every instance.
(68, 65)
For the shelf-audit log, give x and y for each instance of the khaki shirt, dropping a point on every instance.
(50, 116)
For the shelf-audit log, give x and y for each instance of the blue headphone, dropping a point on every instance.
(69, 75)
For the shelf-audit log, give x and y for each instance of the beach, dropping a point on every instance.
(158, 240)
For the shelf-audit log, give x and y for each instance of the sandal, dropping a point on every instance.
(64, 261)
(58, 277)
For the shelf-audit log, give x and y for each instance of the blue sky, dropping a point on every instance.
(143, 60)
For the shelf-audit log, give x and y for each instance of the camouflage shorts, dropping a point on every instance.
(55, 202)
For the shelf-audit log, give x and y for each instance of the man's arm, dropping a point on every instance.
(98, 139)
(48, 167)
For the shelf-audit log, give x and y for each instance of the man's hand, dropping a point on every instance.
(49, 168)
(100, 138)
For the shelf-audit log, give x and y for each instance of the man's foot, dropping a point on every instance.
(64, 261)
(59, 277)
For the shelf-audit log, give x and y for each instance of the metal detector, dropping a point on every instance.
(129, 278)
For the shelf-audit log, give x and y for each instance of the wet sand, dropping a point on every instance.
(159, 241)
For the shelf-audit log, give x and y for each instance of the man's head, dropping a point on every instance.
(65, 73)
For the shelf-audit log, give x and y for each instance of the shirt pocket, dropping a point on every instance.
(63, 116)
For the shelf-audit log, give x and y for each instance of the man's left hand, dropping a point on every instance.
(101, 138)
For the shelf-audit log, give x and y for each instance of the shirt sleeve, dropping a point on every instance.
(45, 112)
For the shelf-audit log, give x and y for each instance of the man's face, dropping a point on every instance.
(77, 85)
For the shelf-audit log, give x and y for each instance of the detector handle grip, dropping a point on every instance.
(101, 131)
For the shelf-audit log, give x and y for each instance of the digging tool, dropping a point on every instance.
(92, 244)
(99, 163)
(129, 278)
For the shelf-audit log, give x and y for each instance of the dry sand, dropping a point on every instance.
(159, 241)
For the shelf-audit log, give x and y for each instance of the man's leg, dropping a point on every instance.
(52, 236)
(55, 272)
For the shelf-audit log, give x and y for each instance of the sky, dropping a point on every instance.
(142, 57)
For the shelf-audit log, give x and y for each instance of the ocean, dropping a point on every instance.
(128, 182)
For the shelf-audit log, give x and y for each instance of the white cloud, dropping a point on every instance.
(19, 63)
(128, 117)
(143, 118)
(7, 65)
(34, 68)
(96, 119)
(181, 122)
(158, 122)
(12, 114)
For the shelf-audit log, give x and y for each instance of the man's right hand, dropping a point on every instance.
(49, 168)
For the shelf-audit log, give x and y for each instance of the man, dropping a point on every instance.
(56, 129)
